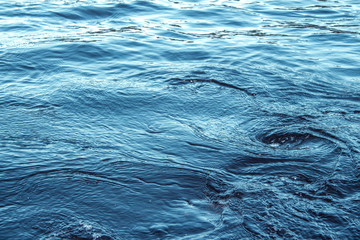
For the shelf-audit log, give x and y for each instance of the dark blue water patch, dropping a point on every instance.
(288, 140)
(186, 55)
(142, 6)
(19, 27)
(89, 181)
(199, 14)
(26, 103)
(65, 53)
(67, 227)
(239, 200)
(179, 120)
(86, 12)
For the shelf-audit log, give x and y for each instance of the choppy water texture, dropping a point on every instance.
(167, 119)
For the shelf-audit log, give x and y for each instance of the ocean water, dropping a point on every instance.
(166, 119)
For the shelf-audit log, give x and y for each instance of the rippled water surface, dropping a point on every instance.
(167, 119)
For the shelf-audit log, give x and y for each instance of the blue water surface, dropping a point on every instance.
(166, 119)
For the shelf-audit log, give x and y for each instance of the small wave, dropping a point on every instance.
(213, 81)
(85, 12)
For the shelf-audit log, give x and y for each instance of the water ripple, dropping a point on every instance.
(160, 119)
